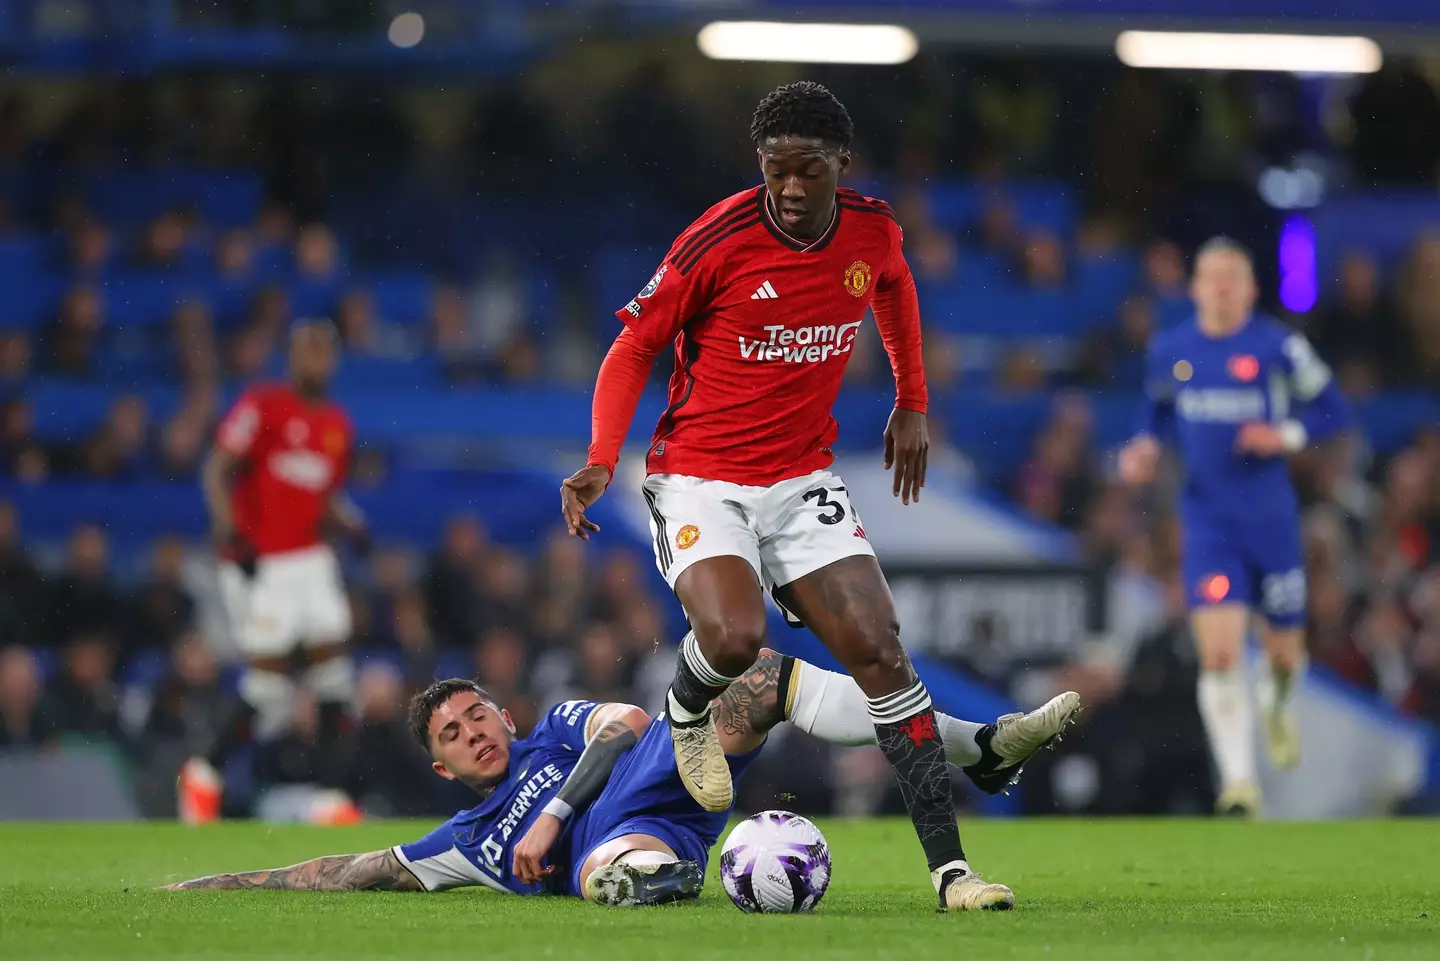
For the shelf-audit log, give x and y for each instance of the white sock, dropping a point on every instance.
(332, 681)
(1230, 724)
(1278, 688)
(640, 858)
(272, 696)
(833, 708)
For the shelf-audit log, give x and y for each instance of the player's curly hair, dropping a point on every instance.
(423, 705)
(803, 109)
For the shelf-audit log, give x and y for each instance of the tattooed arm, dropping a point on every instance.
(754, 703)
(375, 871)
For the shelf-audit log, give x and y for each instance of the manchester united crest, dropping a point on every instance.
(687, 536)
(857, 278)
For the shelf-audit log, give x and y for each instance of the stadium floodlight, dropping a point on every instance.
(1287, 53)
(807, 42)
(406, 30)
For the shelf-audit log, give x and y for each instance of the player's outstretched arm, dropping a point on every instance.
(897, 317)
(374, 871)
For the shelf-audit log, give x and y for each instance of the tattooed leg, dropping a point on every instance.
(375, 871)
(754, 702)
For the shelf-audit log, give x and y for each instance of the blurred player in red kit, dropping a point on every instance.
(272, 482)
(761, 299)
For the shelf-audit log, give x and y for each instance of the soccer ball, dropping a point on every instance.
(775, 863)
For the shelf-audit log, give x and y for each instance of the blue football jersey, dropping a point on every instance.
(476, 847)
(1199, 390)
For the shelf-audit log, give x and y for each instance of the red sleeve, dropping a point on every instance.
(666, 303)
(237, 432)
(897, 316)
(652, 322)
(618, 387)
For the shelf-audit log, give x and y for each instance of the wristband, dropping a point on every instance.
(559, 809)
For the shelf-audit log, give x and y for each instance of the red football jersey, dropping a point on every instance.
(294, 455)
(762, 326)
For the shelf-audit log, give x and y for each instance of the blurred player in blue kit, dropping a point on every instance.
(591, 803)
(1237, 392)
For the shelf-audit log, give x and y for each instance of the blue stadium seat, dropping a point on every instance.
(401, 297)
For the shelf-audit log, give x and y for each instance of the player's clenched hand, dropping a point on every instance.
(533, 847)
(907, 450)
(1260, 439)
(579, 491)
(1138, 459)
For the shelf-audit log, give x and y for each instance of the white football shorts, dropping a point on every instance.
(294, 599)
(785, 531)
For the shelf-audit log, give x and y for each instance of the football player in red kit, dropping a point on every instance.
(761, 299)
(272, 483)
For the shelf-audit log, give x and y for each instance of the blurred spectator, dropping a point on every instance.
(1419, 297)
(193, 331)
(450, 575)
(1357, 331)
(500, 666)
(182, 444)
(188, 706)
(317, 256)
(71, 340)
(23, 722)
(163, 244)
(1055, 484)
(388, 776)
(1042, 264)
(235, 255)
(119, 448)
(1163, 271)
(82, 698)
(90, 249)
(83, 601)
(22, 592)
(300, 755)
(366, 334)
(499, 591)
(1115, 358)
(410, 631)
(163, 609)
(14, 358)
(22, 454)
(1021, 371)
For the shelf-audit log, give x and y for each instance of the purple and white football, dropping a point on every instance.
(775, 863)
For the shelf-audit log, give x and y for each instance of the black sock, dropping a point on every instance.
(696, 684)
(234, 731)
(906, 733)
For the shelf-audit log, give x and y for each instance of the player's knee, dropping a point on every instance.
(1219, 656)
(730, 643)
(874, 655)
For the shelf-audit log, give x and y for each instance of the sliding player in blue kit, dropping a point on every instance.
(1238, 392)
(590, 804)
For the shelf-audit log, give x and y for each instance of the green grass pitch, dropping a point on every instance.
(1113, 890)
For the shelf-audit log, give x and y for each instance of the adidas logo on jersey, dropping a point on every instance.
(765, 292)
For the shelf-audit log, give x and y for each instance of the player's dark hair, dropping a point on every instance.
(1221, 244)
(803, 109)
(423, 705)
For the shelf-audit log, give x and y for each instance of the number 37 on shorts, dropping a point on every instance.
(784, 531)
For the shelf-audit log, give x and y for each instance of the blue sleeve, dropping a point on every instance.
(438, 862)
(1323, 410)
(1157, 406)
(565, 723)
